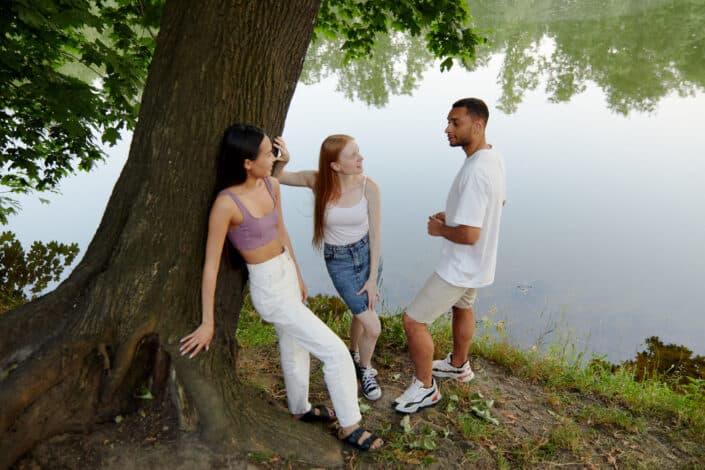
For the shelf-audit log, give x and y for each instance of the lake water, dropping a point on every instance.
(598, 111)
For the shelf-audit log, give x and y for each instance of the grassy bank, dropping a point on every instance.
(526, 408)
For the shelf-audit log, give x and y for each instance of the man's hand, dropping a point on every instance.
(436, 225)
(440, 216)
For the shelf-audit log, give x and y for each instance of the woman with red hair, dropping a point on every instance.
(346, 225)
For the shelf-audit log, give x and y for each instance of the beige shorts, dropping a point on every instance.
(436, 297)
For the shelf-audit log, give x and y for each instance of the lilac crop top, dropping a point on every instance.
(254, 232)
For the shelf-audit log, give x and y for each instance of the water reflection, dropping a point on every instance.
(636, 51)
(394, 68)
(600, 244)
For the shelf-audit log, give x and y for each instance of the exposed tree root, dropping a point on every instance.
(63, 390)
(50, 393)
(124, 359)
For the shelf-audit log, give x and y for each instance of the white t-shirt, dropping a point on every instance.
(475, 199)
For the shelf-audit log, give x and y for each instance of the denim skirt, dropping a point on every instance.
(349, 269)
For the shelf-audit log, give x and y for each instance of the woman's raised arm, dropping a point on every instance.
(305, 178)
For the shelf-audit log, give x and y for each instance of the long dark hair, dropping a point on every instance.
(240, 142)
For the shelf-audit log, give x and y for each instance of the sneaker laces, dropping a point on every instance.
(368, 378)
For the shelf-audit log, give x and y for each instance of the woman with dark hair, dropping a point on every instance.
(346, 224)
(248, 211)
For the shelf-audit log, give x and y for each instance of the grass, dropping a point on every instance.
(588, 403)
(612, 416)
(252, 332)
(560, 370)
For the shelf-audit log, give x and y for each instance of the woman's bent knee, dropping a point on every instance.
(373, 330)
(370, 322)
(335, 350)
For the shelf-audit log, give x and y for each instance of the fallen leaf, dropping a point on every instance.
(406, 424)
(611, 459)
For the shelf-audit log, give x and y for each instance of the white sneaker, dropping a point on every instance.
(370, 388)
(416, 397)
(445, 368)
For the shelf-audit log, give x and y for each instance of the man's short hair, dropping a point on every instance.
(475, 107)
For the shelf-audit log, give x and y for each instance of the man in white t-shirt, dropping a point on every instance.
(469, 228)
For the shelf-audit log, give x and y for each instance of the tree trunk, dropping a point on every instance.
(71, 358)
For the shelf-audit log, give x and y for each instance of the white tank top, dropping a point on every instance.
(346, 225)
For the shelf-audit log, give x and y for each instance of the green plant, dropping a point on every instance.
(611, 417)
(252, 331)
(567, 436)
(23, 275)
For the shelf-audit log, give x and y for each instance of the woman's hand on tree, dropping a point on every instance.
(371, 288)
(199, 339)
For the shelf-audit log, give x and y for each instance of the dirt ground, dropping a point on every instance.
(537, 428)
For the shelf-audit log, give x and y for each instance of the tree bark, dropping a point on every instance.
(71, 358)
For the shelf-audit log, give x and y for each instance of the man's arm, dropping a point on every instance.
(463, 234)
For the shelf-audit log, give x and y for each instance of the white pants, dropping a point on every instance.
(274, 288)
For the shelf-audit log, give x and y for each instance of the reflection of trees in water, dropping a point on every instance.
(673, 363)
(636, 51)
(395, 67)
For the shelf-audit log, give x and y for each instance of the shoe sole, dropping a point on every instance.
(407, 411)
(464, 378)
(372, 398)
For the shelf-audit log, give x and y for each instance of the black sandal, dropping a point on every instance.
(319, 414)
(354, 437)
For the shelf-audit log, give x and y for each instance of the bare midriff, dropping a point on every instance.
(263, 253)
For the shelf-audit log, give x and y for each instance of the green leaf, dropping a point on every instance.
(364, 407)
(406, 424)
(429, 443)
(110, 136)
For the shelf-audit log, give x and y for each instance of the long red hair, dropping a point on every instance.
(327, 183)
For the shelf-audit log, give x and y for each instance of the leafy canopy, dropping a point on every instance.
(445, 25)
(71, 71)
(31, 271)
